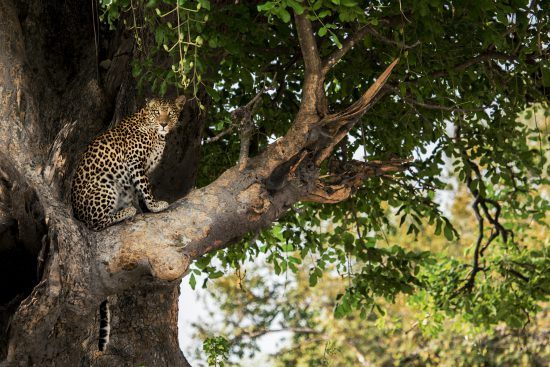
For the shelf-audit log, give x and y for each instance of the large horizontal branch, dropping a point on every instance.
(164, 244)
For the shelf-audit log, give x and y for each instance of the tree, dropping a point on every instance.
(69, 69)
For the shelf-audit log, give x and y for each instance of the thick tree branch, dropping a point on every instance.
(207, 219)
(308, 44)
(313, 95)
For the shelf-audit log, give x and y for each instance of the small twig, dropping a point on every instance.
(242, 117)
(402, 46)
(475, 266)
(220, 135)
(295, 165)
(430, 106)
(254, 334)
(488, 55)
(518, 274)
(346, 46)
(402, 13)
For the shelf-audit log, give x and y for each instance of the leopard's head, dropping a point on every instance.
(163, 114)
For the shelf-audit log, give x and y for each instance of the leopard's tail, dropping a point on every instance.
(104, 325)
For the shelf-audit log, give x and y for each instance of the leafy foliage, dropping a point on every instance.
(488, 327)
(467, 70)
(216, 349)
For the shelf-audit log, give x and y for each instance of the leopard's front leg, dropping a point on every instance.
(143, 187)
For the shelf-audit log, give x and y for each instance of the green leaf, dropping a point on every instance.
(438, 228)
(205, 4)
(335, 39)
(163, 87)
(215, 275)
(324, 13)
(312, 280)
(282, 14)
(202, 262)
(403, 89)
(448, 232)
(348, 3)
(192, 281)
(322, 31)
(299, 9)
(267, 6)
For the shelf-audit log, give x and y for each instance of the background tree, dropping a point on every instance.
(413, 330)
(70, 69)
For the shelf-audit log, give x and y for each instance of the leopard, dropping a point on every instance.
(112, 175)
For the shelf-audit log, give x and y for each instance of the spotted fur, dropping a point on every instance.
(113, 170)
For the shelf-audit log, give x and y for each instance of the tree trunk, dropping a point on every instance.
(54, 99)
(143, 328)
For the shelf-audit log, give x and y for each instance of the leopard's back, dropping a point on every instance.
(100, 180)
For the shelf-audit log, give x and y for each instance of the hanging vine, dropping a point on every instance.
(170, 26)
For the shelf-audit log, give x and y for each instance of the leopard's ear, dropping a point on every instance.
(180, 101)
(150, 102)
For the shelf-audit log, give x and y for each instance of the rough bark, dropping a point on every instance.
(53, 99)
